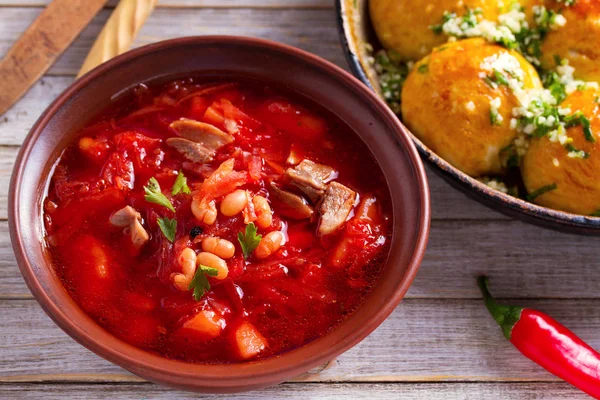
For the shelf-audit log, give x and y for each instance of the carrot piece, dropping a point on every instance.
(368, 210)
(214, 116)
(207, 323)
(223, 181)
(249, 341)
(255, 167)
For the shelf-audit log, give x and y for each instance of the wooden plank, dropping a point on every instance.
(314, 30)
(199, 3)
(422, 341)
(293, 391)
(522, 260)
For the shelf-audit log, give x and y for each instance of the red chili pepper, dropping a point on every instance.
(548, 343)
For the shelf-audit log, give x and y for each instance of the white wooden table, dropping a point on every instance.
(439, 343)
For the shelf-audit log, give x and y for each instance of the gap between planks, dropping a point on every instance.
(133, 379)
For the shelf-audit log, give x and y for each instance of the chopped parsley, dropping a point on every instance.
(579, 119)
(511, 31)
(595, 214)
(168, 227)
(155, 195)
(497, 78)
(553, 83)
(180, 185)
(200, 283)
(249, 240)
(423, 68)
(495, 118)
(575, 152)
(392, 73)
(544, 189)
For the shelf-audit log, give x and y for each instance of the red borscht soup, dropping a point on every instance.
(217, 222)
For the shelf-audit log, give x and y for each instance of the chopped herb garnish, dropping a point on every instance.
(180, 185)
(579, 119)
(500, 78)
(544, 189)
(495, 117)
(249, 240)
(595, 213)
(555, 86)
(423, 68)
(154, 194)
(575, 152)
(439, 28)
(587, 130)
(168, 227)
(195, 232)
(392, 73)
(200, 283)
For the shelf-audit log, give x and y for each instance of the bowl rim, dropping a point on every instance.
(194, 376)
(496, 200)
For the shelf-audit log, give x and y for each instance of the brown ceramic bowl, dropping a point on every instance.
(273, 63)
(355, 28)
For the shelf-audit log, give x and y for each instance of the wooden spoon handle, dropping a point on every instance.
(119, 32)
(41, 44)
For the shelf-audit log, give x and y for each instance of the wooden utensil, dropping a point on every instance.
(119, 32)
(41, 44)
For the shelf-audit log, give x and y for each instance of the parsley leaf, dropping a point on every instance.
(154, 194)
(544, 189)
(423, 68)
(180, 185)
(249, 240)
(200, 283)
(168, 227)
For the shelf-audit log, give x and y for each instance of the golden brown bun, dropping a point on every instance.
(404, 25)
(578, 41)
(577, 180)
(436, 105)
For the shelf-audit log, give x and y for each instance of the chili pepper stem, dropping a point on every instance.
(505, 316)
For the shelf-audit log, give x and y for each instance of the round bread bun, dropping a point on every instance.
(447, 103)
(577, 41)
(405, 25)
(549, 163)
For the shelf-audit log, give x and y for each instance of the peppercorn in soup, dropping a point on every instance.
(217, 222)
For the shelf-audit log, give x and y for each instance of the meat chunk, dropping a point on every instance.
(290, 205)
(138, 234)
(128, 218)
(193, 151)
(198, 141)
(208, 135)
(311, 178)
(124, 217)
(335, 208)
